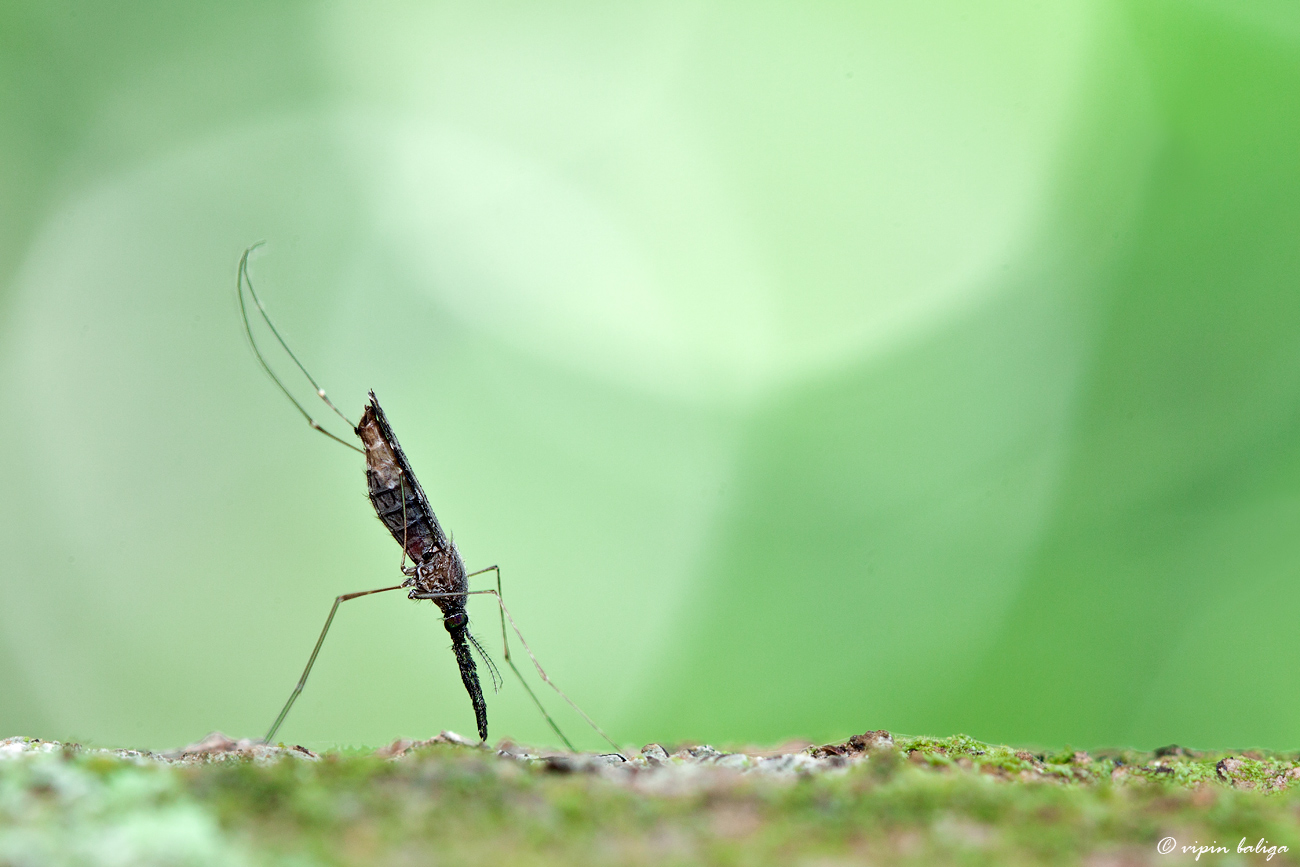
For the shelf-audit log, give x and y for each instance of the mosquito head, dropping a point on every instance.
(455, 621)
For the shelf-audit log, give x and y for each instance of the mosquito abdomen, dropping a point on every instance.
(394, 491)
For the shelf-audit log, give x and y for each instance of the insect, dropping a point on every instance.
(437, 572)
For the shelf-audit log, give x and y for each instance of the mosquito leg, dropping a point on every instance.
(293, 696)
(505, 643)
(243, 279)
(506, 616)
(405, 526)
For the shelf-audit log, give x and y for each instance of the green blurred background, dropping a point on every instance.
(807, 368)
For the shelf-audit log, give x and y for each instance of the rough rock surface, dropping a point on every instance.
(873, 798)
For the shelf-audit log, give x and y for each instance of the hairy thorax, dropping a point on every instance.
(443, 572)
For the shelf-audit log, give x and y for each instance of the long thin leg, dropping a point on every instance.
(293, 696)
(243, 278)
(506, 615)
(505, 643)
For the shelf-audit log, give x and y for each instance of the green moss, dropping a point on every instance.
(928, 800)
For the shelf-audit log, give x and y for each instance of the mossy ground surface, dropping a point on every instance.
(917, 801)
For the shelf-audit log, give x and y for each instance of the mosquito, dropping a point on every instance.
(437, 572)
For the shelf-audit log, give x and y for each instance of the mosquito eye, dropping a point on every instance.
(455, 621)
(427, 555)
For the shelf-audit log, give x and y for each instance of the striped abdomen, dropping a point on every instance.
(394, 492)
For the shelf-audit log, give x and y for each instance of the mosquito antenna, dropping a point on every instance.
(243, 278)
(497, 682)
